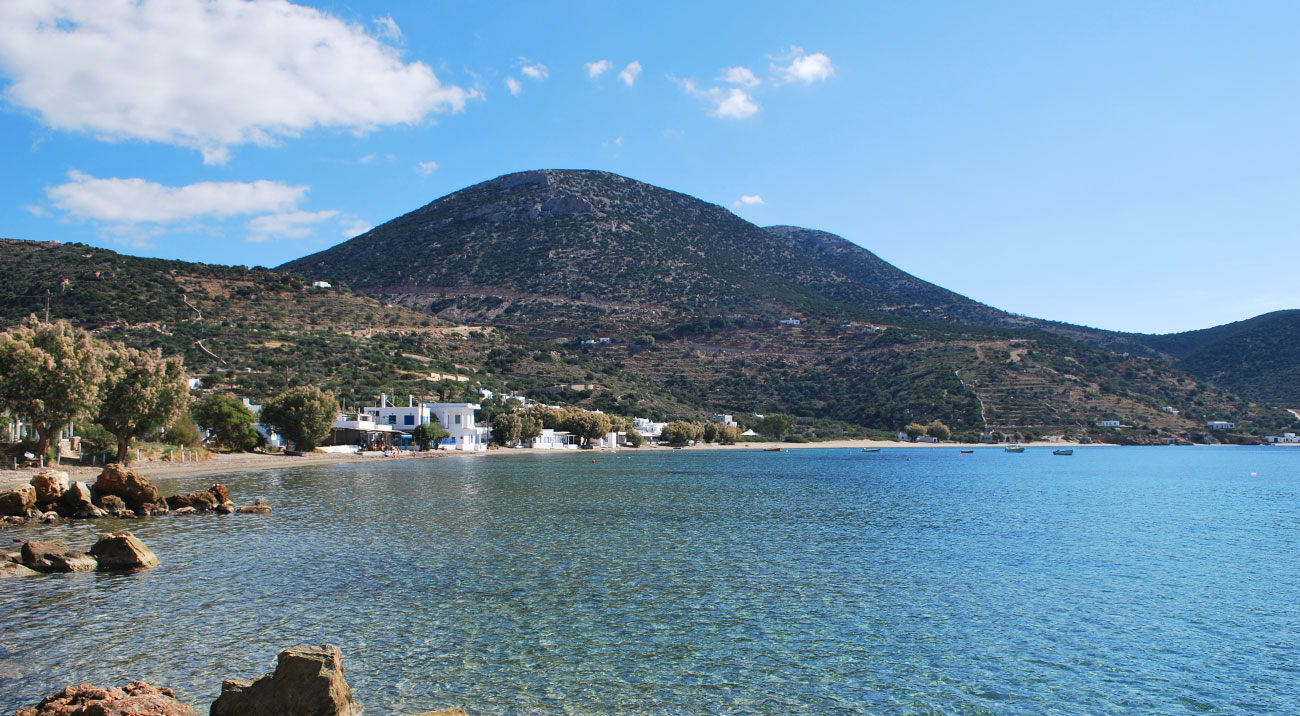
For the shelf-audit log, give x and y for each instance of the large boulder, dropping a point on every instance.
(50, 485)
(127, 484)
(17, 501)
(76, 499)
(54, 557)
(308, 681)
(220, 492)
(11, 569)
(135, 699)
(111, 503)
(122, 550)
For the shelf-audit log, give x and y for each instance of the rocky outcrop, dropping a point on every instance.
(13, 569)
(17, 501)
(129, 485)
(111, 503)
(135, 699)
(220, 492)
(308, 681)
(54, 557)
(50, 485)
(259, 507)
(200, 501)
(122, 550)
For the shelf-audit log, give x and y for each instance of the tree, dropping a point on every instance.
(303, 415)
(49, 375)
(587, 426)
(728, 434)
(938, 430)
(229, 420)
(428, 434)
(680, 431)
(183, 432)
(634, 438)
(914, 430)
(775, 425)
(711, 432)
(506, 428)
(529, 428)
(548, 418)
(142, 393)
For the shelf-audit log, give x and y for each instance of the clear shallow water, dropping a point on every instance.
(1133, 580)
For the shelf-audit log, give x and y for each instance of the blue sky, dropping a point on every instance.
(1124, 165)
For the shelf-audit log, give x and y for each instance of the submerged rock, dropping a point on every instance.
(127, 484)
(54, 557)
(135, 699)
(17, 501)
(122, 550)
(308, 681)
(50, 485)
(13, 569)
(201, 501)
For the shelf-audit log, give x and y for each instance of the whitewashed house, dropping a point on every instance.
(1284, 439)
(724, 419)
(554, 440)
(1170, 409)
(321, 284)
(1109, 423)
(272, 438)
(456, 418)
(1220, 424)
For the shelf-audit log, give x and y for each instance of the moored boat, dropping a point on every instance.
(967, 452)
(1067, 451)
(870, 449)
(771, 449)
(1014, 448)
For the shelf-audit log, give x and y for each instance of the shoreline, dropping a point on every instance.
(223, 463)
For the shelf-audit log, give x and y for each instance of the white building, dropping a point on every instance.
(1109, 423)
(1220, 424)
(1285, 438)
(554, 440)
(791, 322)
(649, 429)
(321, 284)
(1170, 409)
(272, 438)
(456, 418)
(724, 419)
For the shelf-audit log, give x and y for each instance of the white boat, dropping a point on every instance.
(1067, 451)
(1014, 448)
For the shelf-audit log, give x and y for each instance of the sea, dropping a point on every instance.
(1161, 580)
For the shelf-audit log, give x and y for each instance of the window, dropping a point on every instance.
(392, 420)
(458, 420)
(410, 420)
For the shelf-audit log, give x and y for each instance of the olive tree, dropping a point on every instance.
(427, 434)
(303, 415)
(142, 393)
(506, 428)
(775, 425)
(49, 375)
(228, 420)
(938, 430)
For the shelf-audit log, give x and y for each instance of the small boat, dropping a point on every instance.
(771, 449)
(1067, 451)
(1014, 448)
(967, 452)
(870, 449)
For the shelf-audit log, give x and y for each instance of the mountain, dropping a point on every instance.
(1258, 358)
(719, 311)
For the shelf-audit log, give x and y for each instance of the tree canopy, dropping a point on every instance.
(303, 415)
(229, 420)
(142, 393)
(50, 373)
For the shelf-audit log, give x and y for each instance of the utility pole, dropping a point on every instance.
(47, 305)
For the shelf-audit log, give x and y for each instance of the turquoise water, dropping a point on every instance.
(1119, 580)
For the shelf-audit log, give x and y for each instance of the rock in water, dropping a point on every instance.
(122, 550)
(11, 569)
(201, 501)
(220, 492)
(77, 499)
(17, 501)
(112, 503)
(127, 484)
(259, 507)
(54, 557)
(135, 699)
(50, 485)
(308, 681)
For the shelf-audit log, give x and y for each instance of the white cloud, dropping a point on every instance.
(535, 72)
(597, 68)
(355, 227)
(748, 200)
(133, 201)
(513, 85)
(728, 103)
(388, 28)
(209, 75)
(428, 167)
(288, 225)
(630, 73)
(795, 66)
(742, 76)
(366, 159)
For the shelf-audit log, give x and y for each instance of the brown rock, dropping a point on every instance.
(76, 498)
(7, 556)
(122, 550)
(127, 484)
(17, 501)
(202, 501)
(226, 508)
(135, 699)
(259, 507)
(111, 503)
(54, 557)
(10, 569)
(185, 511)
(219, 491)
(308, 680)
(50, 485)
